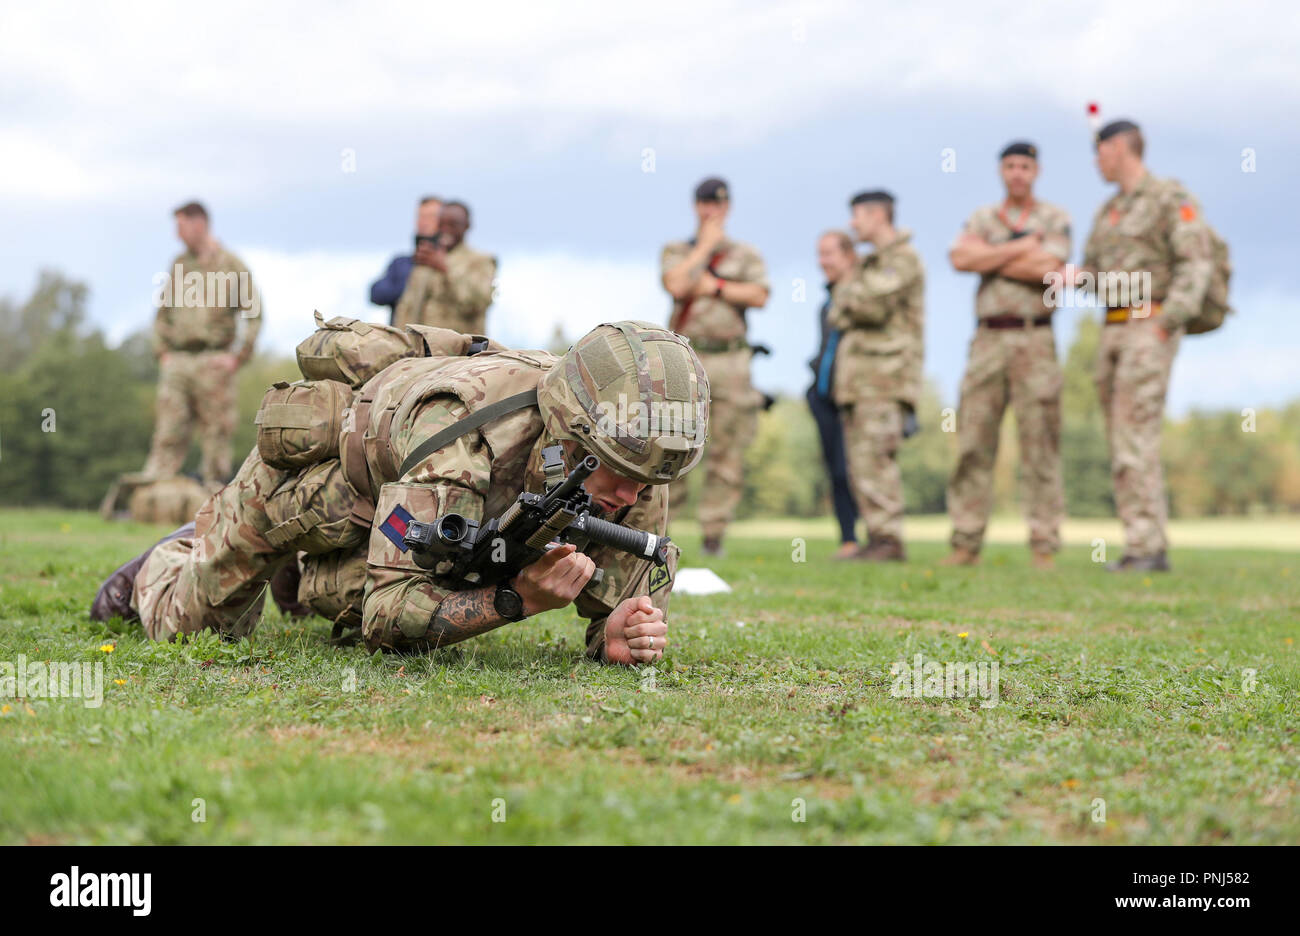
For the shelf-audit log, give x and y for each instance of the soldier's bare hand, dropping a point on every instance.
(425, 255)
(635, 632)
(706, 285)
(227, 362)
(554, 580)
(710, 234)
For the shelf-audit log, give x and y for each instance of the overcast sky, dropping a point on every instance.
(540, 116)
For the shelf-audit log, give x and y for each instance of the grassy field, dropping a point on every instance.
(1173, 699)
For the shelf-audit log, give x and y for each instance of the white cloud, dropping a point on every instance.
(294, 285)
(535, 293)
(122, 99)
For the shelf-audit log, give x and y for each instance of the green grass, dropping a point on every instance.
(1134, 690)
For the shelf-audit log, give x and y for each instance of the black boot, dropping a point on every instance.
(1126, 563)
(284, 589)
(114, 596)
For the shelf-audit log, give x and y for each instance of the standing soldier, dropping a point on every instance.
(713, 281)
(880, 309)
(206, 294)
(1150, 231)
(450, 285)
(1012, 246)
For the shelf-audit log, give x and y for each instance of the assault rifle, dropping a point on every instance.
(495, 551)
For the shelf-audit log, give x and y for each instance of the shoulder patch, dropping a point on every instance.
(1187, 211)
(394, 526)
(659, 577)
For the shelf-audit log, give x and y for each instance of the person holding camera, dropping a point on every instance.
(450, 285)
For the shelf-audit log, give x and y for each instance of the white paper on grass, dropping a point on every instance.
(698, 582)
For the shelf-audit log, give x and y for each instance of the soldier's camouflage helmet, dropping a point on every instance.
(634, 395)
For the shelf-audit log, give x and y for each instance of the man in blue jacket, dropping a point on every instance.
(836, 256)
(389, 289)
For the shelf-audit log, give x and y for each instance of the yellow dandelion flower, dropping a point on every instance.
(120, 682)
(964, 634)
(107, 648)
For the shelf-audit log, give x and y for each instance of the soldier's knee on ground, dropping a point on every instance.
(333, 585)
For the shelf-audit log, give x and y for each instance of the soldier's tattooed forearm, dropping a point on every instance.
(463, 615)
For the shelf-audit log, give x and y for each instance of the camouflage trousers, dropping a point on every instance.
(192, 388)
(1016, 366)
(873, 432)
(1133, 367)
(243, 534)
(733, 423)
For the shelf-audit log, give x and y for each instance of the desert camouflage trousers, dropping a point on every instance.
(193, 388)
(873, 432)
(733, 423)
(1016, 366)
(1133, 366)
(243, 534)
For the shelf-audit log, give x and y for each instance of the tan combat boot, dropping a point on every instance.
(960, 557)
(849, 550)
(883, 549)
(1044, 561)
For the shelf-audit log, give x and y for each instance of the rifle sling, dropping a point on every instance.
(467, 425)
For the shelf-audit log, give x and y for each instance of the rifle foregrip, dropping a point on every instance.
(637, 542)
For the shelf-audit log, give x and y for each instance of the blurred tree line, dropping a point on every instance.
(75, 413)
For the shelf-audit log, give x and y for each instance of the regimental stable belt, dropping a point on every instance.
(1015, 321)
(1124, 315)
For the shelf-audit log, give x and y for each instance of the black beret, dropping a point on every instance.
(712, 190)
(863, 198)
(1019, 148)
(1115, 127)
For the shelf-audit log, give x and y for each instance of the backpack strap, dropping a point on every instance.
(467, 425)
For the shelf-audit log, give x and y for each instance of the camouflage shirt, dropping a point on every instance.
(479, 476)
(457, 299)
(710, 317)
(1157, 229)
(880, 308)
(997, 224)
(202, 307)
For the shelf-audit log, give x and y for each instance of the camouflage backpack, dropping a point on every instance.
(1214, 308)
(352, 351)
(299, 423)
